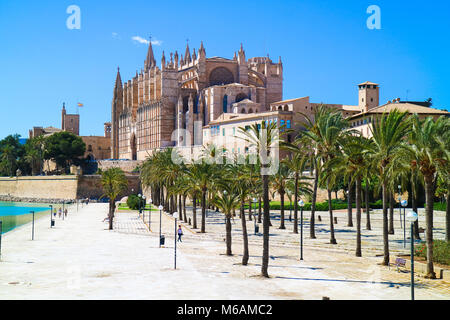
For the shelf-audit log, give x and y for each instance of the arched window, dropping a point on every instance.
(280, 108)
(250, 110)
(243, 110)
(220, 75)
(286, 107)
(225, 104)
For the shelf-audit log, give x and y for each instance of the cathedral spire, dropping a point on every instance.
(118, 85)
(150, 61)
(194, 56)
(187, 54)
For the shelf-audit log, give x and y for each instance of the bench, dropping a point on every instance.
(399, 262)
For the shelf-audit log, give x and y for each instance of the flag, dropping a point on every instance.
(80, 104)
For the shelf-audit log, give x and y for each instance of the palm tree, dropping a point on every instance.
(279, 181)
(113, 182)
(427, 154)
(352, 162)
(325, 135)
(264, 137)
(389, 132)
(202, 173)
(227, 200)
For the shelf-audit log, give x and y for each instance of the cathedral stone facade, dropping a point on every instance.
(187, 92)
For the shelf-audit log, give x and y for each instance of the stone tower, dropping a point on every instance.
(368, 95)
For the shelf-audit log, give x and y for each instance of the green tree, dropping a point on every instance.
(65, 148)
(113, 183)
(389, 132)
(264, 137)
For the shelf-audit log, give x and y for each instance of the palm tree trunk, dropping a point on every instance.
(296, 203)
(385, 226)
(203, 228)
(312, 232)
(391, 213)
(415, 209)
(250, 209)
(259, 210)
(429, 198)
(180, 207)
(358, 217)
(111, 213)
(330, 209)
(368, 226)
(228, 235)
(266, 226)
(194, 212)
(282, 210)
(245, 256)
(349, 205)
(184, 208)
(447, 216)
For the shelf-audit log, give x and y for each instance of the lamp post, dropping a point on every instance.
(254, 200)
(150, 214)
(412, 217)
(143, 208)
(404, 203)
(160, 216)
(301, 204)
(52, 223)
(140, 204)
(175, 215)
(32, 228)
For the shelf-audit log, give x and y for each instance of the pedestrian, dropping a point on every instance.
(59, 212)
(65, 212)
(180, 233)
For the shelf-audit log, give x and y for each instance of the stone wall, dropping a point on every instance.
(49, 188)
(125, 165)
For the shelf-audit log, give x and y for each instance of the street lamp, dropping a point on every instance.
(399, 201)
(404, 203)
(140, 204)
(254, 200)
(52, 222)
(175, 215)
(32, 230)
(160, 216)
(301, 204)
(412, 217)
(150, 214)
(143, 208)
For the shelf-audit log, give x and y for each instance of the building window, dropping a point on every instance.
(288, 124)
(223, 132)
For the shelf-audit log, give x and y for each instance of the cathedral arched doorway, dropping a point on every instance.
(133, 148)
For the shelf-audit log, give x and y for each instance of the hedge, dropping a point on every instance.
(321, 206)
(441, 251)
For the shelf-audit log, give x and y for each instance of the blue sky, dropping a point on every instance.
(325, 46)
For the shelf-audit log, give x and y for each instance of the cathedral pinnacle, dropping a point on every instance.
(150, 61)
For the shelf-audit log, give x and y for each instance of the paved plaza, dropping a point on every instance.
(81, 259)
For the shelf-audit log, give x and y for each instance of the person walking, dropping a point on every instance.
(180, 233)
(59, 213)
(65, 212)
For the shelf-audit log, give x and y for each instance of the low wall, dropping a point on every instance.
(126, 166)
(41, 188)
